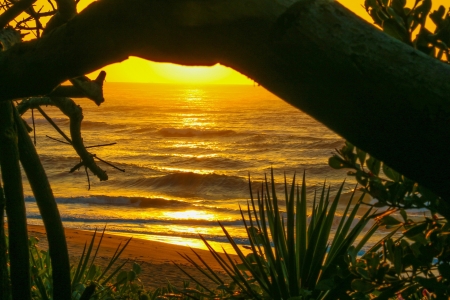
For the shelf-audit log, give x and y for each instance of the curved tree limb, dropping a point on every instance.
(5, 285)
(15, 205)
(49, 211)
(380, 94)
(75, 114)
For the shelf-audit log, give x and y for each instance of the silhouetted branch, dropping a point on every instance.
(83, 87)
(101, 145)
(54, 124)
(15, 205)
(66, 10)
(34, 127)
(74, 112)
(15, 10)
(49, 211)
(5, 285)
(52, 138)
(76, 167)
(109, 164)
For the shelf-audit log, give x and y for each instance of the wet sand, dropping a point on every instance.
(156, 259)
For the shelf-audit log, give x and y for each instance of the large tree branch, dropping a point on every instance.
(378, 93)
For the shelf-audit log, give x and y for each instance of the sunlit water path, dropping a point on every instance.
(187, 152)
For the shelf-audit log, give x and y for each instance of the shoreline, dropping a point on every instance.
(156, 258)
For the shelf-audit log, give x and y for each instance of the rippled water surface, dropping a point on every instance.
(187, 152)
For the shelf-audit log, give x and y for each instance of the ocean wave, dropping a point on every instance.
(94, 125)
(324, 144)
(59, 121)
(212, 163)
(121, 201)
(190, 132)
(124, 223)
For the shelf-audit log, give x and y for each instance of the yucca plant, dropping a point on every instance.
(293, 254)
(88, 279)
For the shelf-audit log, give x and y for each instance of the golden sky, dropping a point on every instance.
(138, 70)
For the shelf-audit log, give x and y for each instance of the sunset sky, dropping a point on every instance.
(139, 70)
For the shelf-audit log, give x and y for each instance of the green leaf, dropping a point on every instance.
(389, 220)
(361, 156)
(374, 165)
(325, 285)
(361, 177)
(122, 277)
(414, 230)
(398, 262)
(131, 275)
(137, 268)
(364, 273)
(437, 16)
(362, 286)
(404, 215)
(337, 163)
(391, 173)
(444, 270)
(398, 6)
(394, 29)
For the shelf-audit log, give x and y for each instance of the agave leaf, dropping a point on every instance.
(82, 274)
(326, 228)
(77, 272)
(116, 255)
(345, 222)
(262, 279)
(114, 272)
(301, 228)
(312, 248)
(214, 278)
(292, 257)
(193, 278)
(230, 267)
(98, 247)
(240, 277)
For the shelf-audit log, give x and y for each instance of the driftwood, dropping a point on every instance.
(378, 93)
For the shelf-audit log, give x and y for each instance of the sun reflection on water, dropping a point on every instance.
(190, 214)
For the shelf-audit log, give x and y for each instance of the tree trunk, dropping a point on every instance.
(380, 94)
(15, 205)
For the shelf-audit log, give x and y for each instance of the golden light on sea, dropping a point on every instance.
(190, 214)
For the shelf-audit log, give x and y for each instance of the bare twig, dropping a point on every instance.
(53, 124)
(101, 145)
(109, 164)
(52, 138)
(77, 167)
(15, 10)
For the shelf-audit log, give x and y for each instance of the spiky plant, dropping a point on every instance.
(293, 254)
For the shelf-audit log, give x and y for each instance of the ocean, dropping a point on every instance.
(187, 152)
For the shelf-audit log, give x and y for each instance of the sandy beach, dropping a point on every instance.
(156, 259)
